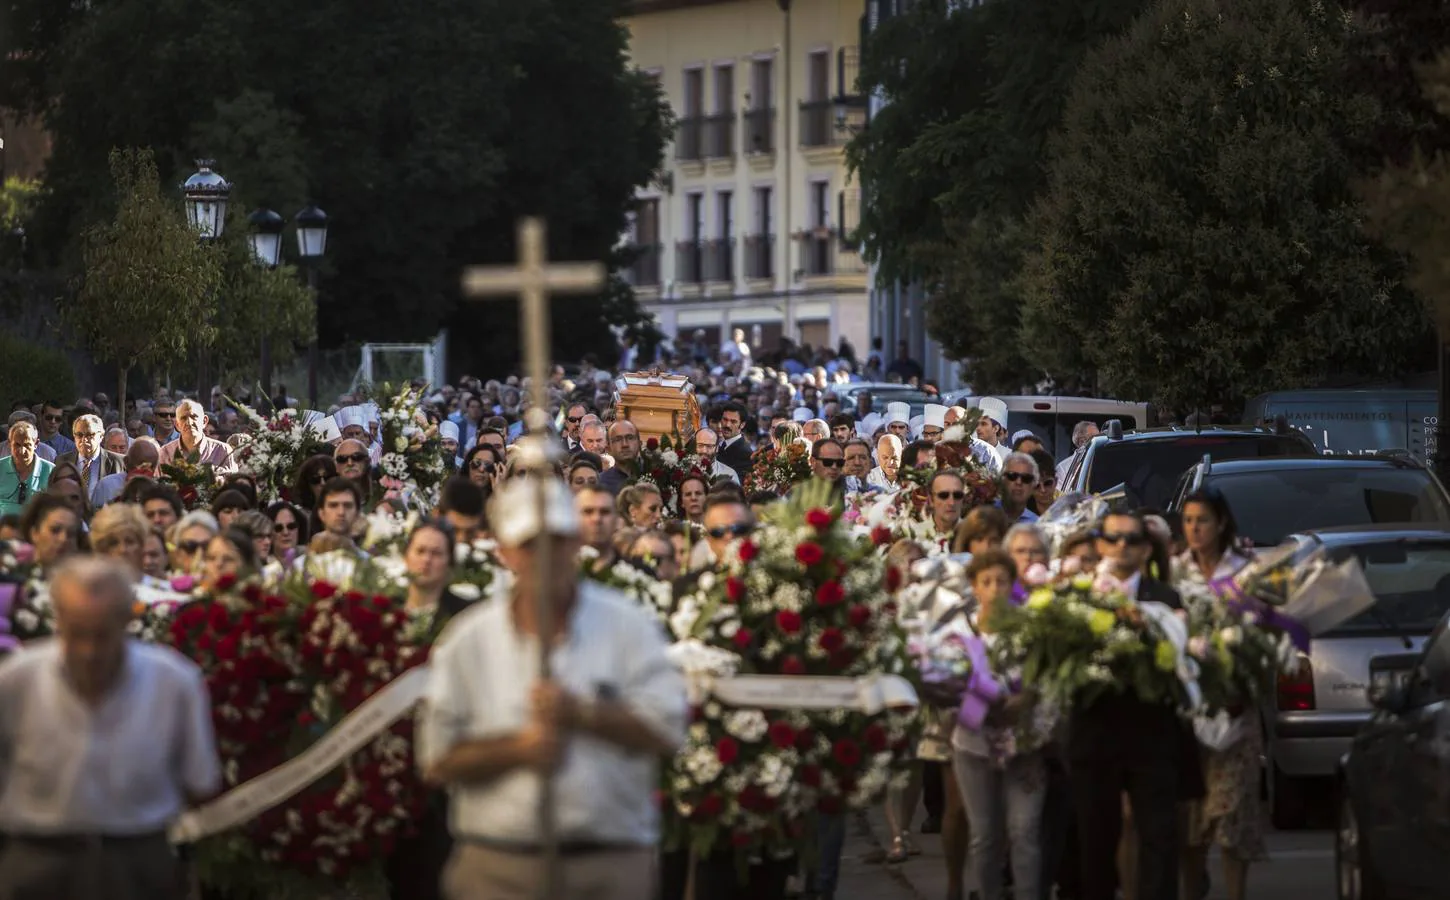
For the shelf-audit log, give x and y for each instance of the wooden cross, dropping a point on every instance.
(533, 281)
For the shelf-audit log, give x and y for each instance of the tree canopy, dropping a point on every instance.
(1199, 240)
(423, 129)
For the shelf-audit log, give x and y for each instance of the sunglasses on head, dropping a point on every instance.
(721, 531)
(1132, 538)
(950, 495)
(830, 463)
(353, 458)
(1019, 477)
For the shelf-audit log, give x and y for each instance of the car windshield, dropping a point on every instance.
(1151, 468)
(880, 396)
(1411, 584)
(1273, 504)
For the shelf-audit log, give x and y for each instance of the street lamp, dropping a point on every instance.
(266, 237)
(206, 200)
(311, 243)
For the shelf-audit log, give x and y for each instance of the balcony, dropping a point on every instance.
(818, 123)
(720, 260)
(760, 256)
(825, 252)
(644, 271)
(690, 139)
(720, 136)
(690, 262)
(759, 130)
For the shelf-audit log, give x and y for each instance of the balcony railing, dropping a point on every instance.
(720, 136)
(818, 123)
(689, 262)
(760, 256)
(759, 130)
(720, 260)
(823, 252)
(690, 139)
(645, 270)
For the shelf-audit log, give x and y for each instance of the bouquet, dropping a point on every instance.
(196, 483)
(777, 471)
(650, 592)
(412, 463)
(666, 468)
(278, 447)
(475, 565)
(1300, 589)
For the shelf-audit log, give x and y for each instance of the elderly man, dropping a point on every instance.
(22, 473)
(116, 440)
(193, 445)
(93, 461)
(624, 446)
(888, 459)
(594, 437)
(815, 430)
(44, 451)
(141, 460)
(1082, 435)
(104, 740)
(828, 459)
(1019, 477)
(858, 464)
(491, 728)
(707, 445)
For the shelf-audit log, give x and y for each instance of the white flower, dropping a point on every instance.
(1232, 636)
(749, 725)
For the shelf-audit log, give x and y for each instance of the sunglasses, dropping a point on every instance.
(1132, 538)
(573, 420)
(950, 495)
(830, 463)
(352, 458)
(481, 465)
(190, 546)
(319, 478)
(1019, 477)
(721, 531)
(278, 527)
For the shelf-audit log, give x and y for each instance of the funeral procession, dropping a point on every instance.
(725, 450)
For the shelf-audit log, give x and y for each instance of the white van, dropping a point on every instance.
(1052, 418)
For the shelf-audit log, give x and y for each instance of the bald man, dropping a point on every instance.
(104, 740)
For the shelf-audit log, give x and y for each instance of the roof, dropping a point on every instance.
(1219, 431)
(1282, 463)
(1374, 534)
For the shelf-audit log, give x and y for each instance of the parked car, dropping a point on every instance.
(1052, 418)
(1317, 712)
(881, 393)
(1393, 836)
(1150, 463)
(1274, 498)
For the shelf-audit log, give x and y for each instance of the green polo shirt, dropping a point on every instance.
(13, 494)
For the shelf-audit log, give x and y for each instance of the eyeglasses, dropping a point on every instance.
(830, 463)
(190, 546)
(352, 458)
(740, 530)
(480, 464)
(279, 527)
(1020, 477)
(1132, 538)
(319, 478)
(573, 420)
(950, 495)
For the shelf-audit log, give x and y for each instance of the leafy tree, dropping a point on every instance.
(30, 372)
(1199, 240)
(256, 304)
(147, 291)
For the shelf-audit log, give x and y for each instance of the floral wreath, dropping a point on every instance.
(278, 447)
(776, 471)
(666, 467)
(412, 462)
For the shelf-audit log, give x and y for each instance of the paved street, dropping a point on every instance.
(1301, 868)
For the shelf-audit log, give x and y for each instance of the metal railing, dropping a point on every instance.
(823, 252)
(720, 136)
(689, 139)
(817, 123)
(759, 136)
(689, 262)
(645, 270)
(720, 260)
(760, 256)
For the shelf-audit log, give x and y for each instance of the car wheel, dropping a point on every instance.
(1354, 874)
(1288, 801)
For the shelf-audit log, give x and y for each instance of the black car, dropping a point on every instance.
(1149, 463)
(1274, 498)
(1393, 839)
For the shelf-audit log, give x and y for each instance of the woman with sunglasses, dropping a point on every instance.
(289, 530)
(311, 476)
(484, 466)
(188, 538)
(1228, 816)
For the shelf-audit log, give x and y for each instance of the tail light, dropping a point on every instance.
(1296, 691)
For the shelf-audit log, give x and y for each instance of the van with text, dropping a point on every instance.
(1356, 421)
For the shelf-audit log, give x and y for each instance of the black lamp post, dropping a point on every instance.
(311, 244)
(266, 241)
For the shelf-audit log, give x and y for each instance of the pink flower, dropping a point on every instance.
(24, 553)
(1035, 576)
(183, 584)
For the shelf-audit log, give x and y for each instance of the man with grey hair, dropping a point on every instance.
(1019, 477)
(22, 473)
(142, 458)
(91, 460)
(815, 430)
(193, 445)
(104, 741)
(44, 451)
(1082, 435)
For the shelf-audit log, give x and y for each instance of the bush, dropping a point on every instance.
(32, 373)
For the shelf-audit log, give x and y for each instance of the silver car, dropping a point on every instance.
(1316, 714)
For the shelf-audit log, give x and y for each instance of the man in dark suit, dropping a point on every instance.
(93, 461)
(1119, 743)
(624, 446)
(734, 450)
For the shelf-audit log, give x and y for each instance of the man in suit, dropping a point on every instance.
(1119, 743)
(734, 450)
(93, 461)
(624, 446)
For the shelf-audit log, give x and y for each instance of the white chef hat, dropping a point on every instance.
(349, 416)
(513, 511)
(915, 423)
(309, 417)
(934, 416)
(868, 425)
(371, 413)
(448, 430)
(800, 414)
(898, 412)
(1019, 435)
(993, 409)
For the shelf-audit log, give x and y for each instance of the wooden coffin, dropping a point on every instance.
(659, 405)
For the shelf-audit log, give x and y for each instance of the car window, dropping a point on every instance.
(1270, 505)
(1055, 429)
(1411, 585)
(1151, 468)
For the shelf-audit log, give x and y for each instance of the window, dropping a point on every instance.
(1150, 468)
(722, 249)
(725, 211)
(695, 216)
(693, 102)
(720, 136)
(1273, 504)
(1411, 585)
(820, 210)
(763, 198)
(762, 83)
(818, 76)
(817, 112)
(724, 89)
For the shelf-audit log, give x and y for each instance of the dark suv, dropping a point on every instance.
(1150, 463)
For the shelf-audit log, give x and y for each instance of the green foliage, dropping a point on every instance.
(146, 293)
(255, 303)
(31, 372)
(1199, 241)
(18, 199)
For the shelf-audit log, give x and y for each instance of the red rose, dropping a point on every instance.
(354, 596)
(755, 800)
(819, 518)
(252, 593)
(734, 589)
(880, 535)
(810, 776)
(830, 593)
(830, 806)
(782, 735)
(792, 665)
(742, 638)
(842, 658)
(808, 553)
(804, 739)
(322, 590)
(748, 551)
(225, 583)
(741, 838)
(831, 640)
(709, 807)
(875, 738)
(788, 621)
(893, 579)
(847, 753)
(697, 714)
(859, 616)
(653, 443)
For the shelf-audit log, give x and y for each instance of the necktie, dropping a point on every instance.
(86, 474)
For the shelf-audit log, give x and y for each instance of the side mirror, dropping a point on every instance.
(1390, 678)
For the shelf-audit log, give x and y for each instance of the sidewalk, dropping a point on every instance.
(919, 878)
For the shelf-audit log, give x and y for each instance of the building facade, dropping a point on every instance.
(751, 222)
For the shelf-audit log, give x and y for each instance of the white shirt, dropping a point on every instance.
(483, 672)
(124, 767)
(877, 478)
(719, 470)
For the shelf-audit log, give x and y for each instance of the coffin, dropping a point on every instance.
(659, 405)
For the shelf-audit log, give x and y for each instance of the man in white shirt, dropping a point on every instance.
(992, 425)
(490, 730)
(104, 740)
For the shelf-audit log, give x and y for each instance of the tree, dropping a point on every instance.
(147, 291)
(255, 305)
(1199, 241)
(486, 111)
